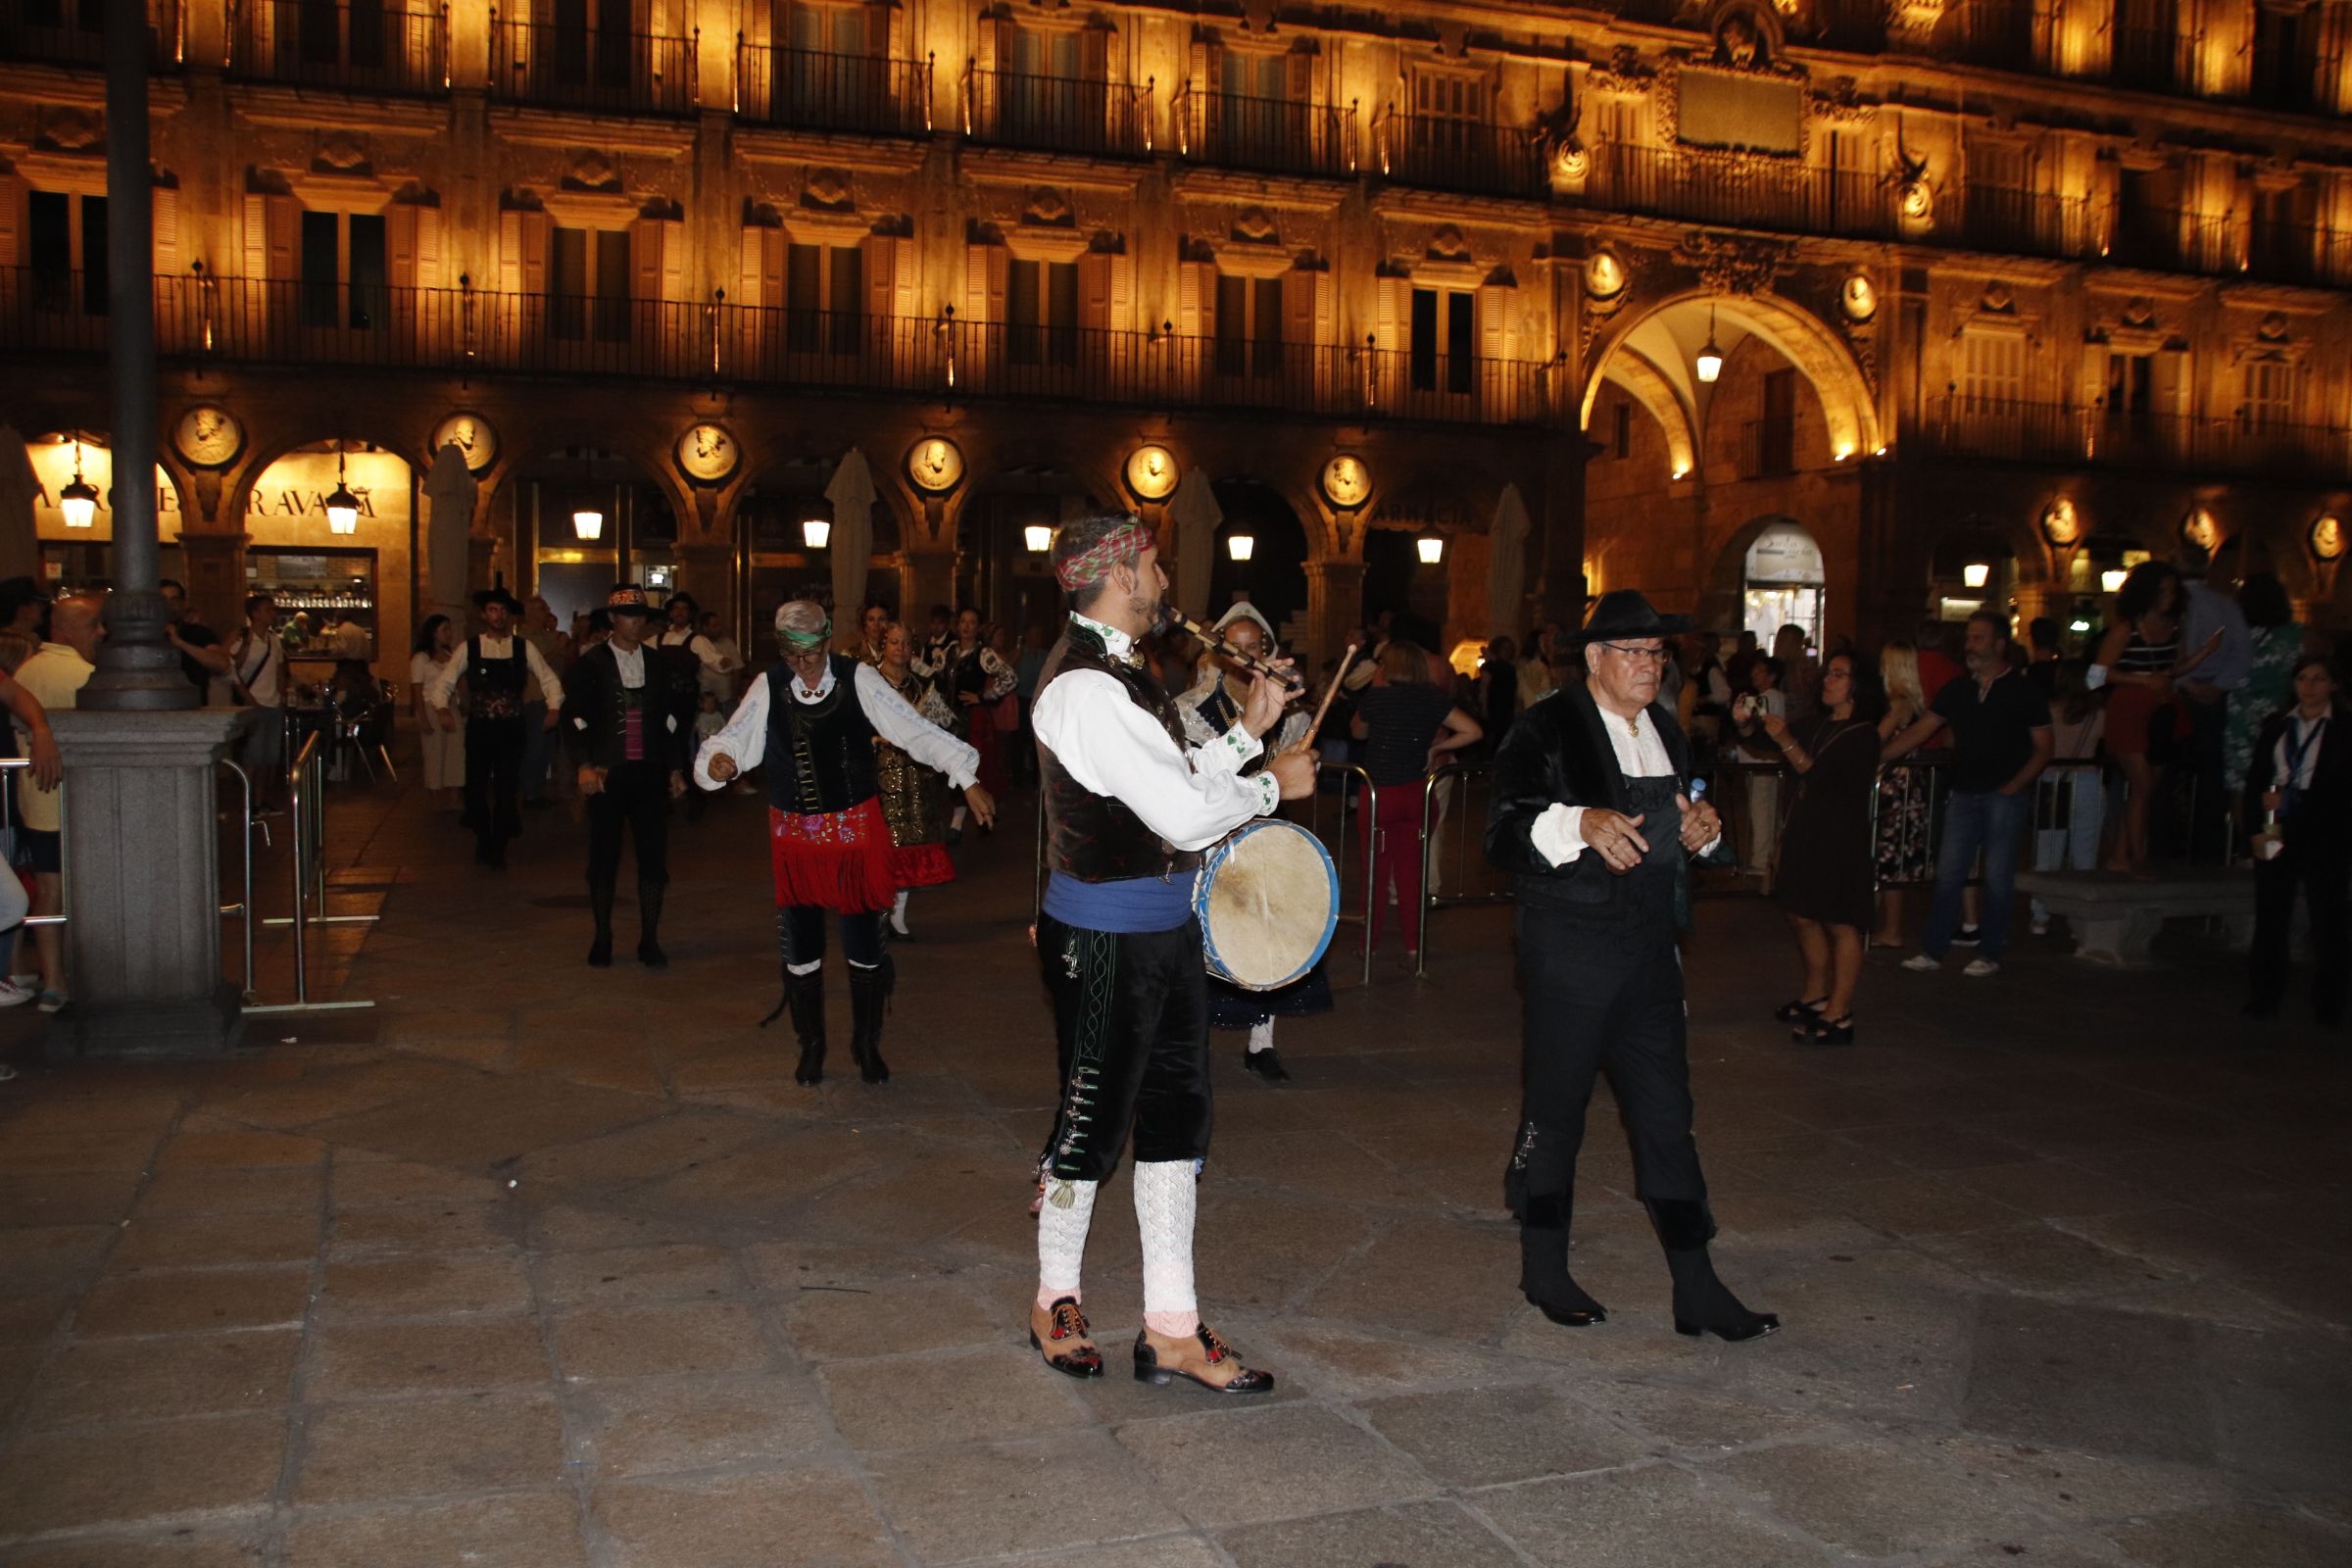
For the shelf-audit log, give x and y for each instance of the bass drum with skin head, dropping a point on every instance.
(1268, 901)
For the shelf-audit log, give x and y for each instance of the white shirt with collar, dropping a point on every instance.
(1114, 747)
(745, 737)
(1558, 834)
(445, 684)
(2299, 729)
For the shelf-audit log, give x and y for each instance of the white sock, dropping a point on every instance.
(898, 912)
(956, 821)
(1167, 1197)
(1061, 1225)
(805, 968)
(1261, 1036)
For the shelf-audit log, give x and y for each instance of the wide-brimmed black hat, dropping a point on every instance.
(496, 594)
(1623, 612)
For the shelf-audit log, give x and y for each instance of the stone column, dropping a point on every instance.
(707, 571)
(142, 878)
(1335, 603)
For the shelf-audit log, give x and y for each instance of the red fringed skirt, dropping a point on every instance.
(838, 861)
(921, 865)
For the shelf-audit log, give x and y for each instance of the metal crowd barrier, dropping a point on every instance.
(1338, 842)
(305, 795)
(1469, 829)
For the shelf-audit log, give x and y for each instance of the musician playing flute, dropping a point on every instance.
(1129, 807)
(1593, 815)
(813, 719)
(1210, 709)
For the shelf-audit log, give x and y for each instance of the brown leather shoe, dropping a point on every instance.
(1204, 1358)
(1059, 1334)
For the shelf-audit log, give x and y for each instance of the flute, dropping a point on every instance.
(1225, 650)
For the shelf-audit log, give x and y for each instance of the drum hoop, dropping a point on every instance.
(1330, 878)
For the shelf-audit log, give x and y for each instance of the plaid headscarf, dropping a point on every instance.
(1123, 543)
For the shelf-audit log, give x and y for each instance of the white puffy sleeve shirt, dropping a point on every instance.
(745, 737)
(1115, 747)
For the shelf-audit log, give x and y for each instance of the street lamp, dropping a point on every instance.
(342, 507)
(1976, 574)
(588, 524)
(2111, 579)
(1431, 548)
(1710, 358)
(816, 531)
(1038, 537)
(78, 500)
(1241, 546)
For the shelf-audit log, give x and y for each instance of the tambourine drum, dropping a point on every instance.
(1269, 900)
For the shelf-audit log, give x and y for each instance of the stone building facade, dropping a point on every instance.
(2003, 291)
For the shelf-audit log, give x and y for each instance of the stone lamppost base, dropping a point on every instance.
(143, 884)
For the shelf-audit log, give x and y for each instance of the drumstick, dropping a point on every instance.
(1332, 690)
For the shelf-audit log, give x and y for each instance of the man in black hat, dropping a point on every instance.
(496, 667)
(636, 754)
(1592, 816)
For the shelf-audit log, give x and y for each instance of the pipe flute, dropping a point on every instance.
(1225, 650)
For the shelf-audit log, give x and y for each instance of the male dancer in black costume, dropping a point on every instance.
(1592, 816)
(635, 744)
(495, 665)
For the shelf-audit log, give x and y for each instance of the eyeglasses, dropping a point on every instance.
(1638, 656)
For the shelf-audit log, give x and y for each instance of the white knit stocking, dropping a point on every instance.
(1167, 1197)
(1261, 1036)
(1061, 1225)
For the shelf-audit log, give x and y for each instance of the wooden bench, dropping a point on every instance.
(2115, 919)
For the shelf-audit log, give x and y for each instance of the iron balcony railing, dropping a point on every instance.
(1748, 192)
(473, 331)
(2018, 222)
(1057, 114)
(2014, 430)
(72, 33)
(1264, 135)
(359, 45)
(807, 89)
(567, 66)
(2153, 59)
(1995, 32)
(2299, 253)
(1458, 154)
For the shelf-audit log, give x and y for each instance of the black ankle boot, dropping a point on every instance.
(1544, 1266)
(649, 926)
(1702, 1303)
(869, 1001)
(600, 950)
(804, 995)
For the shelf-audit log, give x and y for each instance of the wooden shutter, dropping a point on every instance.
(260, 49)
(987, 44)
(757, 274)
(1393, 312)
(523, 251)
(1495, 304)
(1298, 77)
(657, 259)
(1306, 305)
(167, 229)
(1209, 65)
(429, 269)
(1196, 299)
(985, 274)
(12, 220)
(881, 275)
(1093, 291)
(271, 225)
(2170, 378)
(1093, 52)
(400, 240)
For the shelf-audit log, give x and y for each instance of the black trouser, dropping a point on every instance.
(2321, 872)
(802, 927)
(1131, 1032)
(635, 799)
(493, 781)
(1601, 995)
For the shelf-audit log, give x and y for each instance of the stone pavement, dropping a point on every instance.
(536, 1266)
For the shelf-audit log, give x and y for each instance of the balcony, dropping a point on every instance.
(1750, 193)
(1994, 32)
(2153, 59)
(473, 332)
(72, 33)
(362, 47)
(1057, 114)
(2067, 435)
(563, 66)
(1458, 155)
(806, 89)
(2019, 222)
(2299, 253)
(1264, 135)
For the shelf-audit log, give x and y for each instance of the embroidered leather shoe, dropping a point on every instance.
(1060, 1333)
(1202, 1359)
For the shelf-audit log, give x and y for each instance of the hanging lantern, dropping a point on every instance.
(1241, 546)
(1038, 537)
(78, 500)
(342, 507)
(588, 524)
(1431, 549)
(1710, 358)
(815, 532)
(1976, 574)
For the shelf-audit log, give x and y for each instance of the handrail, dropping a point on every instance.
(305, 793)
(1431, 898)
(1371, 817)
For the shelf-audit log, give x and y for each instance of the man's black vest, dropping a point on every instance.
(494, 686)
(1096, 838)
(820, 756)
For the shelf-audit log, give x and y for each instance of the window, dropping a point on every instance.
(1042, 312)
(2269, 389)
(594, 43)
(1249, 325)
(2131, 389)
(1621, 445)
(1253, 75)
(1992, 371)
(1046, 53)
(66, 247)
(824, 304)
(1444, 340)
(345, 274)
(829, 29)
(588, 285)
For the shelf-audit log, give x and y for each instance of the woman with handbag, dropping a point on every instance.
(2300, 791)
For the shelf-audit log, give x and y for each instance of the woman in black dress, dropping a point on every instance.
(1824, 885)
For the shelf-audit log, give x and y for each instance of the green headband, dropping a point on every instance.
(803, 641)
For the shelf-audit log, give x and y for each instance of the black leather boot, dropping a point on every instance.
(649, 926)
(869, 1001)
(600, 904)
(804, 995)
(1544, 1266)
(1702, 1303)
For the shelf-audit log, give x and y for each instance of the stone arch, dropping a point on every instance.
(1632, 372)
(1800, 336)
